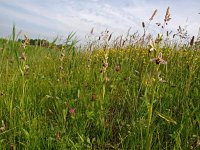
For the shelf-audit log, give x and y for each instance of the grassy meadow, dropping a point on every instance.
(113, 94)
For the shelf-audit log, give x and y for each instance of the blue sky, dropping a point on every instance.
(49, 18)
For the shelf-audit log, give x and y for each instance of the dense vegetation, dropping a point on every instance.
(112, 95)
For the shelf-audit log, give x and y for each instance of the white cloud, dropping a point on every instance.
(51, 17)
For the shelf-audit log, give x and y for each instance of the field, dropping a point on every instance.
(104, 96)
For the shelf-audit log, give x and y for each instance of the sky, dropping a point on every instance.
(50, 18)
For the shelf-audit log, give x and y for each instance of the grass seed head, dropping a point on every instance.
(109, 37)
(192, 41)
(143, 24)
(92, 31)
(167, 15)
(152, 16)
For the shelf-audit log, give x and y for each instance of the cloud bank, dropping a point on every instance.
(49, 18)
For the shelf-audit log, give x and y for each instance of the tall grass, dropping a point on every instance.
(123, 96)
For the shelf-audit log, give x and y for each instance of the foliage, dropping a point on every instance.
(114, 96)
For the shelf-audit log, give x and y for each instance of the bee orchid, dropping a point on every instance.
(158, 60)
